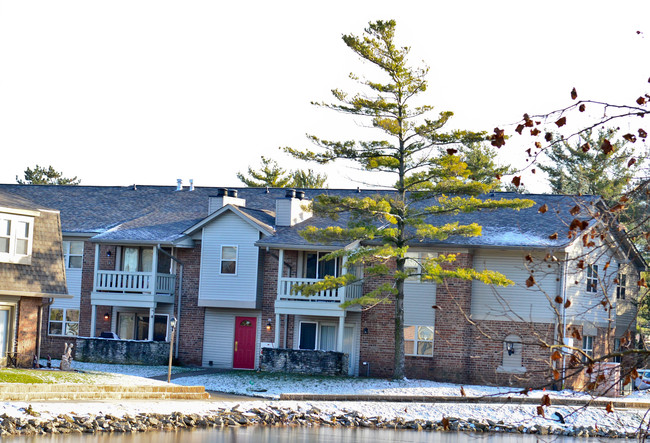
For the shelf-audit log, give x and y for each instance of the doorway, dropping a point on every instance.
(244, 349)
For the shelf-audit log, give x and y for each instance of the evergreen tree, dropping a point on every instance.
(273, 176)
(307, 179)
(585, 168)
(45, 176)
(426, 184)
(481, 162)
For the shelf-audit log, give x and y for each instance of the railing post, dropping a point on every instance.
(96, 266)
(339, 338)
(93, 319)
(154, 272)
(280, 268)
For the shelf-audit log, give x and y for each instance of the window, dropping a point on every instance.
(229, 259)
(621, 282)
(73, 252)
(617, 348)
(135, 259)
(307, 335)
(413, 264)
(327, 340)
(592, 278)
(587, 347)
(16, 233)
(315, 267)
(64, 321)
(418, 340)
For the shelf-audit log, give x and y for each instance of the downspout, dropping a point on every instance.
(180, 294)
(563, 314)
(40, 327)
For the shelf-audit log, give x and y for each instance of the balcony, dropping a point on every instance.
(135, 282)
(338, 295)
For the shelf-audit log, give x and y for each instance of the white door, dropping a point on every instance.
(349, 348)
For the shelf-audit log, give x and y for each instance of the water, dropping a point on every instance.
(255, 434)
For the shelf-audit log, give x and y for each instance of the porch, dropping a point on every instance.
(139, 285)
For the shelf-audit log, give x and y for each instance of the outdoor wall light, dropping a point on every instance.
(365, 330)
(107, 316)
(510, 347)
(268, 324)
(108, 253)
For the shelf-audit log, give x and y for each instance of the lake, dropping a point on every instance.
(254, 434)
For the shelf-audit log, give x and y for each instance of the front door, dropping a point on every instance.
(245, 332)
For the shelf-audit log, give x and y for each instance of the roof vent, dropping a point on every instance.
(232, 193)
(191, 184)
(221, 192)
(300, 195)
(291, 193)
(179, 184)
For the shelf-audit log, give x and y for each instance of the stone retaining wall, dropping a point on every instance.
(103, 350)
(302, 361)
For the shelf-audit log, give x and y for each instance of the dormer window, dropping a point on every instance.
(16, 235)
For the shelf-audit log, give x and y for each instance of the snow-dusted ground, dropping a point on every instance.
(250, 383)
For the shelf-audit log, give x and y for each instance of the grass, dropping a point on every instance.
(10, 375)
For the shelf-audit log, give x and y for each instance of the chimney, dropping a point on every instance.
(224, 197)
(191, 184)
(292, 209)
(179, 184)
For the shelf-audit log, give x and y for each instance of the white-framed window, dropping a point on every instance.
(621, 284)
(63, 321)
(592, 278)
(228, 260)
(16, 238)
(418, 340)
(73, 252)
(588, 347)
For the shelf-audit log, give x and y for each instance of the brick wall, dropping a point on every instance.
(191, 324)
(27, 330)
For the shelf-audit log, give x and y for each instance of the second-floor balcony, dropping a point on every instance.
(286, 291)
(135, 282)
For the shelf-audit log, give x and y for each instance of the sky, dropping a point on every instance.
(146, 92)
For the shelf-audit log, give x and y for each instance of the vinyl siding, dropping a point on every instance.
(418, 301)
(229, 230)
(516, 302)
(73, 276)
(586, 308)
(219, 336)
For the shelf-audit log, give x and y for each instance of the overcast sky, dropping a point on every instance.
(122, 92)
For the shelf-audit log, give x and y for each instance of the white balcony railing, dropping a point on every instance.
(338, 295)
(135, 282)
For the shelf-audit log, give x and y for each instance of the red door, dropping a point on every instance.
(244, 355)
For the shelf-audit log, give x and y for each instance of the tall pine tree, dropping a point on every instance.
(425, 183)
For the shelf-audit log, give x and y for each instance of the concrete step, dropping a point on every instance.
(42, 391)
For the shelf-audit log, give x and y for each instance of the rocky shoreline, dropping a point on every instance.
(269, 416)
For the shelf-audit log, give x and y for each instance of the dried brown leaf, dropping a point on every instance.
(561, 122)
(574, 94)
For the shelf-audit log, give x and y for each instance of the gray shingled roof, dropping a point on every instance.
(161, 214)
